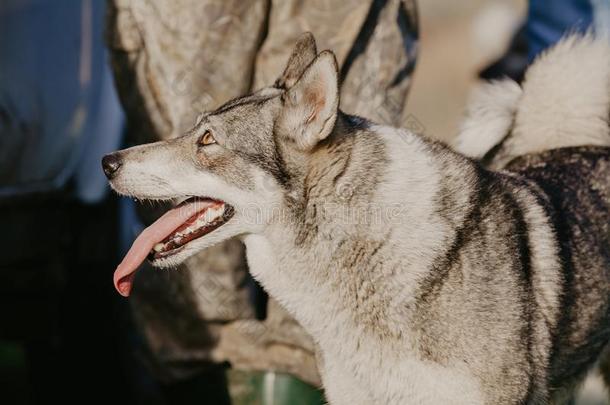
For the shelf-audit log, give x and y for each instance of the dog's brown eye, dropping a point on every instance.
(206, 139)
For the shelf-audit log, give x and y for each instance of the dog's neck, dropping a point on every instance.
(367, 222)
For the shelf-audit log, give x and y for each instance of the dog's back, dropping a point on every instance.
(553, 130)
(575, 183)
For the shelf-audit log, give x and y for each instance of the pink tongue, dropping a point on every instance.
(155, 233)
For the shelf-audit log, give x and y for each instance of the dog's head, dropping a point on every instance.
(230, 168)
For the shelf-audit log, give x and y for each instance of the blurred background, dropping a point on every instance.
(458, 40)
(81, 78)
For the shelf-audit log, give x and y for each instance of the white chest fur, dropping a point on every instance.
(358, 369)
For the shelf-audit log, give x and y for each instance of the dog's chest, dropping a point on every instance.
(286, 281)
(357, 366)
(376, 374)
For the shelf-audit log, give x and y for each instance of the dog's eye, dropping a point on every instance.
(206, 139)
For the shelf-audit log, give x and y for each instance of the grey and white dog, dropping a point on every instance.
(423, 277)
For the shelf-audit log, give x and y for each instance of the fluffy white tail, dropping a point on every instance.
(564, 101)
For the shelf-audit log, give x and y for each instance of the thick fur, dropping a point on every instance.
(423, 277)
(564, 101)
(490, 116)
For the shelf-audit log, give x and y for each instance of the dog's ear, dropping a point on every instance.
(303, 54)
(311, 105)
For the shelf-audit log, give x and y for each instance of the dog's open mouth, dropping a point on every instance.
(190, 220)
(201, 223)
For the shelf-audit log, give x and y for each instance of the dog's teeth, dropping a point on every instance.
(158, 247)
(213, 213)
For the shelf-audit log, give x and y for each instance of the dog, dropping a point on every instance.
(423, 277)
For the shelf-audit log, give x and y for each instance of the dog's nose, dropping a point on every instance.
(111, 164)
